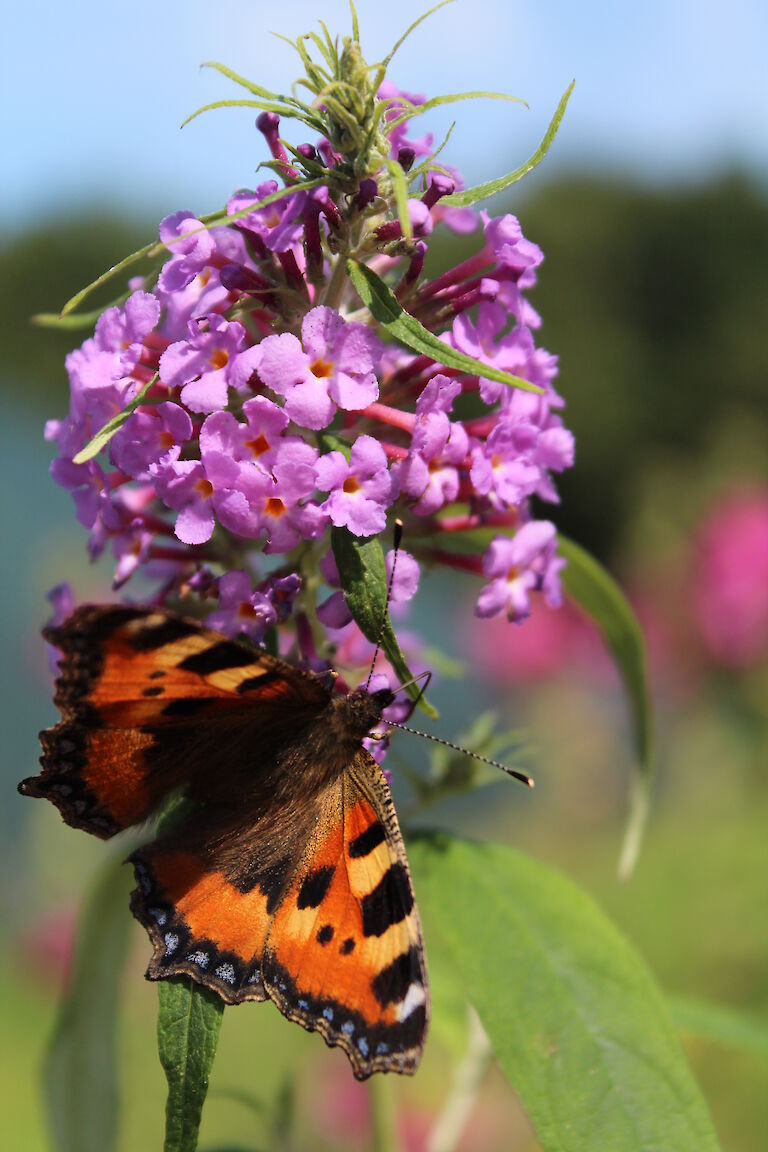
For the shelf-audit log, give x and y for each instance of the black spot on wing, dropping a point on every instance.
(270, 881)
(392, 983)
(365, 843)
(314, 887)
(389, 903)
(347, 947)
(218, 658)
(157, 674)
(186, 706)
(325, 935)
(254, 682)
(150, 637)
(155, 690)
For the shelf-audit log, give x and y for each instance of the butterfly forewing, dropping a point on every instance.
(152, 703)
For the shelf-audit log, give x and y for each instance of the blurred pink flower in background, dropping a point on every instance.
(553, 641)
(45, 948)
(730, 580)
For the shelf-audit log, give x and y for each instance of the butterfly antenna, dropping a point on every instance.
(398, 539)
(527, 780)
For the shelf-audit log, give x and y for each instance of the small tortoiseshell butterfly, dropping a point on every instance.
(287, 877)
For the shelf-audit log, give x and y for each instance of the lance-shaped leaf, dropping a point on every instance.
(105, 434)
(575, 1019)
(491, 187)
(147, 252)
(400, 188)
(255, 89)
(414, 110)
(364, 579)
(598, 594)
(384, 308)
(80, 1073)
(265, 106)
(721, 1023)
(188, 1026)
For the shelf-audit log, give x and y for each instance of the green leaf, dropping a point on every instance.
(414, 110)
(598, 594)
(255, 89)
(400, 188)
(364, 579)
(148, 251)
(384, 308)
(491, 187)
(80, 1072)
(312, 121)
(188, 1025)
(576, 1021)
(387, 59)
(73, 323)
(721, 1023)
(103, 437)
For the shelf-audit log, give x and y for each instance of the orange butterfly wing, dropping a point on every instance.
(150, 702)
(330, 933)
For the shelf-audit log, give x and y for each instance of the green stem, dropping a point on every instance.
(337, 283)
(383, 1130)
(450, 1124)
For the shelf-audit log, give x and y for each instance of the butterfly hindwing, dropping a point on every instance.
(146, 700)
(329, 930)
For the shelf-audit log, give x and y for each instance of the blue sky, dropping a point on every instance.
(93, 94)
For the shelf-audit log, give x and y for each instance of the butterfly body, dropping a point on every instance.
(284, 874)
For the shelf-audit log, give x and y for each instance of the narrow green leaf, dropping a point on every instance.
(364, 580)
(575, 1019)
(265, 105)
(491, 187)
(148, 251)
(721, 1023)
(598, 594)
(188, 1025)
(355, 22)
(384, 308)
(255, 89)
(225, 218)
(387, 59)
(400, 188)
(80, 1072)
(105, 434)
(80, 320)
(415, 110)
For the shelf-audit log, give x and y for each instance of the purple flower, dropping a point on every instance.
(204, 365)
(184, 486)
(192, 247)
(131, 550)
(250, 501)
(503, 467)
(241, 609)
(333, 612)
(361, 490)
(398, 136)
(334, 364)
(89, 486)
(429, 474)
(148, 436)
(282, 591)
(483, 341)
(253, 442)
(510, 248)
(518, 566)
(406, 582)
(280, 224)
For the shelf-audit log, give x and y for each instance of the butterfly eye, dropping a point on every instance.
(383, 697)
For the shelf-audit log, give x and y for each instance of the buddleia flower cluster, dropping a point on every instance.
(285, 378)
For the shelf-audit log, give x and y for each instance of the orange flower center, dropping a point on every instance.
(166, 440)
(205, 488)
(321, 369)
(258, 446)
(434, 465)
(246, 610)
(273, 506)
(512, 574)
(351, 485)
(219, 359)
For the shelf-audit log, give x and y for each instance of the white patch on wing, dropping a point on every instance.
(413, 999)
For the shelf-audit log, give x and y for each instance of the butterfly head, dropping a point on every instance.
(358, 712)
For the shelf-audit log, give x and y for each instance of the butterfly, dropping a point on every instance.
(285, 875)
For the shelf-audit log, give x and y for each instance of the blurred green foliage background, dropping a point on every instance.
(656, 302)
